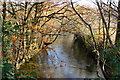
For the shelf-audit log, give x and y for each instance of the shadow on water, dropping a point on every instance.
(66, 59)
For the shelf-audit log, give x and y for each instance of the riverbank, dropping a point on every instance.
(108, 58)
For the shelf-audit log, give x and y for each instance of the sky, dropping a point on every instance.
(85, 2)
(80, 2)
(89, 2)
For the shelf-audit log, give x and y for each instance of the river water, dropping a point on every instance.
(65, 59)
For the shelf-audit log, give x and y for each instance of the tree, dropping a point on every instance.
(118, 24)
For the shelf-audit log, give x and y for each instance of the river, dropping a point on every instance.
(65, 59)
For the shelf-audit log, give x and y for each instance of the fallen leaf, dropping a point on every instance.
(56, 67)
(61, 65)
(48, 67)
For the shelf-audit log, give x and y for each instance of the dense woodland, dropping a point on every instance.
(29, 27)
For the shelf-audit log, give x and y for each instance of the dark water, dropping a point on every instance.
(65, 59)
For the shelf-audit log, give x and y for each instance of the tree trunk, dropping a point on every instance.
(3, 45)
(118, 24)
(3, 23)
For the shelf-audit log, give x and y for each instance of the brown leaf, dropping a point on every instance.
(61, 65)
(48, 67)
(56, 67)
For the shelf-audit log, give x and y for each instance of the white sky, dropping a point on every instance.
(89, 2)
(80, 2)
(85, 2)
